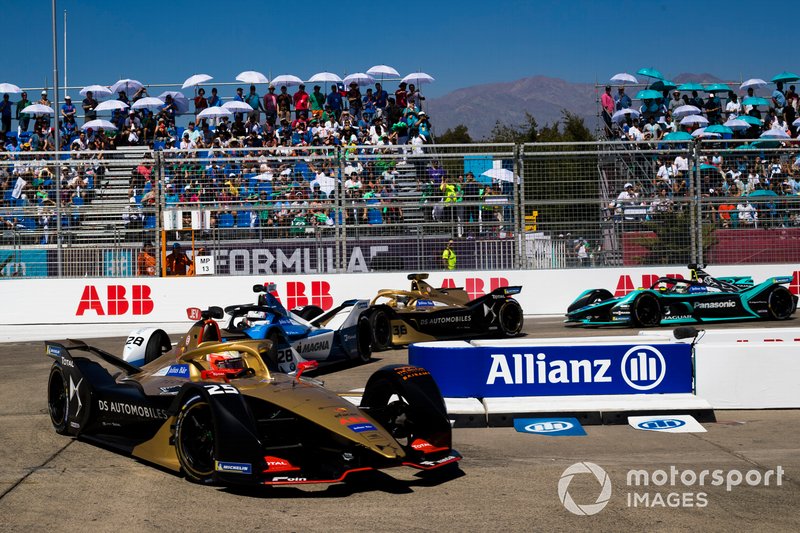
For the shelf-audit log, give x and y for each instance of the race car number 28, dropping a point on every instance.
(285, 357)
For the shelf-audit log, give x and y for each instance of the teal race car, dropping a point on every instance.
(699, 299)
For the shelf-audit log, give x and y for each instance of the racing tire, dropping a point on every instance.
(274, 337)
(195, 439)
(364, 339)
(157, 345)
(646, 311)
(381, 330)
(780, 303)
(308, 312)
(58, 400)
(510, 318)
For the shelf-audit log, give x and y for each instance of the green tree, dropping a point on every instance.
(526, 132)
(457, 135)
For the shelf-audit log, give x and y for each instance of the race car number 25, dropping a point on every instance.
(221, 389)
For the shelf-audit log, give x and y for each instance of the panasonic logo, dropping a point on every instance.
(530, 368)
(725, 304)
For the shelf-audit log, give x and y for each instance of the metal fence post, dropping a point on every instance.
(160, 204)
(694, 193)
(519, 207)
(341, 224)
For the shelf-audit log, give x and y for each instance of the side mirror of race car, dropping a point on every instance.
(214, 312)
(270, 287)
(303, 366)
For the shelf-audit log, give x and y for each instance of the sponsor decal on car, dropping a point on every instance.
(178, 371)
(453, 319)
(129, 409)
(360, 428)
(723, 304)
(234, 468)
(55, 351)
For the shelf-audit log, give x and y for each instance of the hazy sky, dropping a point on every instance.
(459, 43)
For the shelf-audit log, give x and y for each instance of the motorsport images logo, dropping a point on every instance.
(586, 509)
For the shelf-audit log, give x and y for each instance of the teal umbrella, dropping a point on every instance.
(690, 87)
(763, 192)
(662, 85)
(785, 76)
(650, 73)
(755, 100)
(745, 146)
(718, 128)
(706, 166)
(753, 121)
(648, 94)
(678, 136)
(717, 87)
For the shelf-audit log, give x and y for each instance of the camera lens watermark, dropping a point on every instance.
(671, 487)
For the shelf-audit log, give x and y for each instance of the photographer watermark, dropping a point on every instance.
(671, 487)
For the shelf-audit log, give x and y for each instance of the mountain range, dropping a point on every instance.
(480, 107)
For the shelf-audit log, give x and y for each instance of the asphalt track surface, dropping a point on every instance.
(507, 481)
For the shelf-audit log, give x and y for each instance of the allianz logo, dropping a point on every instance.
(549, 427)
(724, 304)
(642, 368)
(665, 423)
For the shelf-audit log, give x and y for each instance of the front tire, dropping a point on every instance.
(646, 311)
(364, 339)
(58, 400)
(195, 440)
(780, 303)
(510, 318)
(157, 345)
(381, 330)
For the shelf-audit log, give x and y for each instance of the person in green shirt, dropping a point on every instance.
(449, 257)
(23, 118)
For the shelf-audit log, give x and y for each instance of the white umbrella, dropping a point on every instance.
(98, 91)
(775, 133)
(501, 174)
(622, 114)
(178, 98)
(9, 88)
(755, 83)
(736, 124)
(796, 123)
(701, 132)
(98, 124)
(418, 78)
(38, 109)
(685, 111)
(149, 102)
(127, 85)
(383, 70)
(694, 120)
(196, 79)
(359, 78)
(623, 78)
(286, 79)
(235, 106)
(251, 76)
(111, 105)
(216, 112)
(325, 77)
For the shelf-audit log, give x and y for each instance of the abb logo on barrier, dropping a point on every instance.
(476, 287)
(116, 301)
(625, 283)
(298, 295)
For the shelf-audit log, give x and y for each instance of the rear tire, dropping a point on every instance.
(646, 311)
(364, 339)
(381, 330)
(58, 400)
(780, 303)
(195, 440)
(510, 318)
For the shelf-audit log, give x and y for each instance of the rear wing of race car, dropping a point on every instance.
(62, 351)
(507, 291)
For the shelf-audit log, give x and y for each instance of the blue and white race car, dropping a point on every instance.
(340, 334)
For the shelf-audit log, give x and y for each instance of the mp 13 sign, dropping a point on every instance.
(505, 371)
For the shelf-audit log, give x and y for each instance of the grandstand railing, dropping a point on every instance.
(383, 208)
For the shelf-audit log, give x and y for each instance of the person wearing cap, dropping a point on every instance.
(301, 102)
(449, 257)
(23, 118)
(270, 105)
(44, 120)
(68, 110)
(177, 262)
(676, 101)
(713, 109)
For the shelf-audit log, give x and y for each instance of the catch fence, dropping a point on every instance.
(388, 208)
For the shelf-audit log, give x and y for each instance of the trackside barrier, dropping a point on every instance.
(75, 307)
(749, 368)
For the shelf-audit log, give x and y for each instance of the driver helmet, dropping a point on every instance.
(226, 361)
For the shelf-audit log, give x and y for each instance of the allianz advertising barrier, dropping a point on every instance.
(468, 371)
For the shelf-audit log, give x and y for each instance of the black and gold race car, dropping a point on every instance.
(222, 413)
(425, 313)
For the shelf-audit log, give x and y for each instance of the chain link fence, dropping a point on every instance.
(137, 212)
